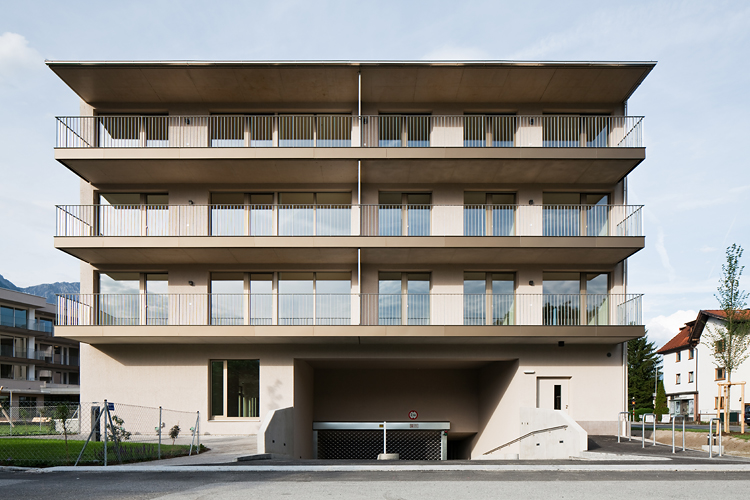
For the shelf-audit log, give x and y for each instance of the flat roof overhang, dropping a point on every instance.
(550, 335)
(105, 166)
(151, 84)
(102, 251)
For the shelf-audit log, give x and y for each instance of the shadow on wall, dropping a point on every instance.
(495, 421)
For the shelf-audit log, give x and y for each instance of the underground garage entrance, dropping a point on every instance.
(432, 409)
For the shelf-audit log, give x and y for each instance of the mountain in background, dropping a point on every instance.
(46, 290)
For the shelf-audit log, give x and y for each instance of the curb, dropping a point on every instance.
(411, 468)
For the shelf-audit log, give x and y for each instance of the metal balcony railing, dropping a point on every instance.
(12, 352)
(344, 131)
(349, 220)
(349, 309)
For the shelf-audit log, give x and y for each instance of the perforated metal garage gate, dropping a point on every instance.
(364, 440)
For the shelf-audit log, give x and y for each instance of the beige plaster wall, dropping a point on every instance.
(485, 400)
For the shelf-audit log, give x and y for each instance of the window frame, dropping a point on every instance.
(678, 378)
(225, 371)
(723, 372)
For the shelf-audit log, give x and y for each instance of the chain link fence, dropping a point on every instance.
(99, 433)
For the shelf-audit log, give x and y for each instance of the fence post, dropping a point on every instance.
(106, 407)
(94, 428)
(195, 430)
(159, 447)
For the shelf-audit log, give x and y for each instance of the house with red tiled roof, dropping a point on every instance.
(691, 374)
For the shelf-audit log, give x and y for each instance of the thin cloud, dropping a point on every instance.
(16, 59)
(662, 328)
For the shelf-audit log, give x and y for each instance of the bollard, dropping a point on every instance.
(643, 428)
(674, 418)
(711, 436)
(619, 421)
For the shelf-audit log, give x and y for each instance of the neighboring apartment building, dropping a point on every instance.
(359, 241)
(691, 374)
(36, 367)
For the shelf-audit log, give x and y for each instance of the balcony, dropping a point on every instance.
(250, 148)
(346, 131)
(11, 352)
(519, 234)
(363, 309)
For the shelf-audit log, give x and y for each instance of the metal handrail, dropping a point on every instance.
(521, 438)
(643, 429)
(674, 419)
(217, 220)
(349, 130)
(711, 436)
(254, 309)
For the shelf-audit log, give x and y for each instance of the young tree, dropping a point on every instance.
(661, 400)
(642, 365)
(730, 341)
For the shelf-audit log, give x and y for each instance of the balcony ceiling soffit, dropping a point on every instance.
(105, 84)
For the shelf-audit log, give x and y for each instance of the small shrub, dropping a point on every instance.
(174, 432)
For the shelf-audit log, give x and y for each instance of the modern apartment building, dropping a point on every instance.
(36, 366)
(433, 244)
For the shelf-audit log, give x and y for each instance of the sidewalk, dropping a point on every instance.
(222, 449)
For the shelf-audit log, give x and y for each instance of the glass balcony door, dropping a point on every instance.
(404, 298)
(157, 299)
(492, 214)
(395, 131)
(321, 214)
(314, 298)
(489, 298)
(227, 305)
(404, 214)
(576, 214)
(133, 214)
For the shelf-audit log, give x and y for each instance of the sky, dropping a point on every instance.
(693, 183)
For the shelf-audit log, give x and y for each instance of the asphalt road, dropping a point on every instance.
(371, 485)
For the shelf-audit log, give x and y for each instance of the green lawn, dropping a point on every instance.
(27, 452)
(27, 430)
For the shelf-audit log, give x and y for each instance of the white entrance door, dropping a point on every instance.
(552, 393)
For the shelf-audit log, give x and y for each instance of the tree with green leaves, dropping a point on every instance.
(730, 342)
(643, 363)
(661, 400)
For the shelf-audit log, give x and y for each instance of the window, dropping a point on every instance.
(720, 375)
(690, 378)
(575, 214)
(488, 298)
(497, 131)
(321, 214)
(491, 214)
(691, 353)
(678, 356)
(573, 131)
(404, 214)
(314, 298)
(719, 346)
(678, 379)
(395, 131)
(16, 318)
(399, 291)
(235, 388)
(133, 214)
(567, 294)
(719, 402)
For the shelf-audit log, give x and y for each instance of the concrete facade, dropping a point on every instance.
(440, 355)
